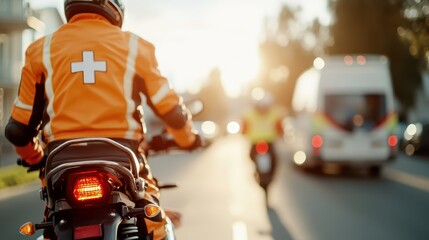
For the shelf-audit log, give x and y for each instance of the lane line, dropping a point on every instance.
(408, 179)
(239, 231)
(236, 181)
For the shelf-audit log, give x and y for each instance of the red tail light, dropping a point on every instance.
(262, 147)
(88, 188)
(317, 141)
(392, 140)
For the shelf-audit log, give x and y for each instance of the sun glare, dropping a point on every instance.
(188, 63)
(190, 43)
(236, 58)
(240, 66)
(192, 38)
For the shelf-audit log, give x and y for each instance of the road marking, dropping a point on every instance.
(239, 231)
(408, 179)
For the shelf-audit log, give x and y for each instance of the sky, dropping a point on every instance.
(193, 37)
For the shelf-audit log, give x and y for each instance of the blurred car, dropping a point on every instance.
(415, 139)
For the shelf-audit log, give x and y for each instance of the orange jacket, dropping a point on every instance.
(87, 78)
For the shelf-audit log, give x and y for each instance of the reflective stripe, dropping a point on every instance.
(161, 94)
(48, 84)
(128, 86)
(22, 105)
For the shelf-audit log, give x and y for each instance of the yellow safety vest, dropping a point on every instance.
(262, 126)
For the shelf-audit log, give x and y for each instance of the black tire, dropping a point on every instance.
(312, 170)
(266, 195)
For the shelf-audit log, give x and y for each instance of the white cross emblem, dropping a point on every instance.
(88, 66)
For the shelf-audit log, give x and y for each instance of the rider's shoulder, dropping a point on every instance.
(141, 40)
(36, 46)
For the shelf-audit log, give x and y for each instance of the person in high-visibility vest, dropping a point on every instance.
(262, 123)
(86, 80)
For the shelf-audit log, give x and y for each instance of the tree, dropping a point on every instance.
(285, 52)
(370, 27)
(214, 98)
(415, 30)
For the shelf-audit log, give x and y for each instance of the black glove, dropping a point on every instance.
(160, 143)
(157, 143)
(32, 168)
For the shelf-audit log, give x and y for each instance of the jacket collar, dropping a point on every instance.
(87, 16)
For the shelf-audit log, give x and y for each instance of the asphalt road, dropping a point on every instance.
(220, 200)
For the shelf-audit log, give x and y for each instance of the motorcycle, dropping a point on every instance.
(95, 198)
(263, 155)
(93, 195)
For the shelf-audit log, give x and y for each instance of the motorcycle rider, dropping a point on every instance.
(263, 122)
(86, 80)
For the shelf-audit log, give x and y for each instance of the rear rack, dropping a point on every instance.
(134, 163)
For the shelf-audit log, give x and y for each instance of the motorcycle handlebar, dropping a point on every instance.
(164, 142)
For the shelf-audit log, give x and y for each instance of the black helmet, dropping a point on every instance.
(113, 10)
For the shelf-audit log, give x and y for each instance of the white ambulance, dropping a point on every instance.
(344, 114)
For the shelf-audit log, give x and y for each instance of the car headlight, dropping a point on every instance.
(209, 129)
(410, 131)
(233, 127)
